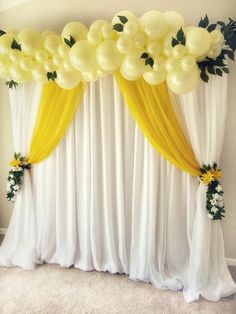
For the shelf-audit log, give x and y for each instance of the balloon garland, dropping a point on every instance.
(157, 46)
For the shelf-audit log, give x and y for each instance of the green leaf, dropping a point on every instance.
(123, 19)
(144, 55)
(15, 45)
(204, 76)
(2, 32)
(211, 70)
(180, 35)
(147, 61)
(11, 84)
(221, 23)
(218, 72)
(211, 27)
(15, 155)
(72, 40)
(67, 41)
(151, 62)
(226, 70)
(118, 27)
(230, 55)
(174, 42)
(204, 22)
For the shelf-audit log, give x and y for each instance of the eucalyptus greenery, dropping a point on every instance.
(11, 84)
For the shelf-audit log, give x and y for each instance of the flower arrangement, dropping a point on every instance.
(18, 164)
(210, 176)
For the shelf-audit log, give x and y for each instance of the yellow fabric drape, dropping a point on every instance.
(56, 110)
(152, 109)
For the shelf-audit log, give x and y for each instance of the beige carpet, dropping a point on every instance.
(51, 289)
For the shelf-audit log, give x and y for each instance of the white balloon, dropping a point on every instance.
(154, 77)
(75, 29)
(132, 66)
(67, 79)
(154, 24)
(174, 20)
(108, 57)
(198, 41)
(83, 56)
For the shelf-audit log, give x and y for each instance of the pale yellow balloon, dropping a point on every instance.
(181, 82)
(174, 20)
(172, 64)
(49, 66)
(108, 57)
(41, 56)
(94, 36)
(30, 40)
(107, 32)
(5, 61)
(5, 43)
(90, 76)
(67, 79)
(187, 63)
(46, 33)
(15, 55)
(52, 43)
(67, 64)
(40, 74)
(75, 29)
(63, 50)
(97, 25)
(159, 63)
(13, 31)
(124, 44)
(198, 41)
(154, 24)
(18, 75)
(83, 56)
(4, 72)
(132, 66)
(154, 48)
(129, 15)
(167, 44)
(27, 64)
(57, 60)
(217, 38)
(140, 40)
(179, 51)
(154, 77)
(131, 28)
(215, 51)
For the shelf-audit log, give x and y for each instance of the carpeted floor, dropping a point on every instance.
(51, 289)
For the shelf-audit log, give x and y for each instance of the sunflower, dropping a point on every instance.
(207, 177)
(16, 163)
(217, 174)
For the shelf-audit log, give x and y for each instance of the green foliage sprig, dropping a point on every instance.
(70, 42)
(148, 60)
(120, 26)
(2, 32)
(11, 84)
(179, 39)
(52, 76)
(15, 45)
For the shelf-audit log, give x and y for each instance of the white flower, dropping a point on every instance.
(216, 196)
(11, 175)
(213, 202)
(221, 204)
(220, 198)
(15, 187)
(214, 209)
(219, 188)
(210, 216)
(12, 181)
(19, 169)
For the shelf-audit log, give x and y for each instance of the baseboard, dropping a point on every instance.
(3, 230)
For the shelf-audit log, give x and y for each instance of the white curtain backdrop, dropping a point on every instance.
(106, 200)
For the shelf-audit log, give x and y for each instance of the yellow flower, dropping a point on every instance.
(207, 177)
(217, 174)
(16, 163)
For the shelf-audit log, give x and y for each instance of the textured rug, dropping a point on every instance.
(51, 289)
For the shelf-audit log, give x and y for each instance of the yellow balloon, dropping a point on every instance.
(174, 20)
(108, 57)
(41, 56)
(131, 28)
(15, 55)
(187, 63)
(129, 15)
(5, 43)
(154, 24)
(30, 40)
(75, 29)
(107, 32)
(181, 82)
(40, 74)
(124, 44)
(63, 50)
(57, 60)
(154, 48)
(67, 79)
(4, 71)
(52, 43)
(18, 75)
(67, 64)
(83, 56)
(94, 36)
(49, 66)
(27, 64)
(132, 66)
(167, 45)
(97, 25)
(217, 37)
(90, 76)
(159, 64)
(198, 41)
(154, 77)
(140, 40)
(46, 33)
(172, 64)
(5, 61)
(215, 51)
(179, 51)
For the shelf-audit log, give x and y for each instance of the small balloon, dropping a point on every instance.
(131, 28)
(75, 29)
(94, 36)
(97, 25)
(83, 56)
(140, 40)
(30, 40)
(172, 64)
(67, 64)
(179, 51)
(217, 38)
(90, 76)
(26, 64)
(154, 48)
(41, 56)
(198, 41)
(57, 60)
(108, 57)
(124, 44)
(5, 43)
(67, 79)
(63, 50)
(154, 77)
(40, 74)
(214, 52)
(15, 55)
(18, 75)
(132, 66)
(154, 24)
(49, 66)
(107, 32)
(159, 64)
(52, 43)
(187, 63)
(174, 20)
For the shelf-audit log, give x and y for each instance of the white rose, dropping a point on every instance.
(214, 209)
(216, 196)
(221, 204)
(210, 216)
(220, 198)
(11, 175)
(219, 188)
(213, 202)
(12, 181)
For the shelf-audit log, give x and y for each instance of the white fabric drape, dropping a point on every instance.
(204, 113)
(106, 200)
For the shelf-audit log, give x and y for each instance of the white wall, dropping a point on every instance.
(53, 14)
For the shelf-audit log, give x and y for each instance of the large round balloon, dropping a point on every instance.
(63, 50)
(129, 15)
(175, 21)
(154, 77)
(83, 56)
(97, 25)
(27, 64)
(131, 28)
(41, 55)
(188, 62)
(198, 41)
(108, 57)
(75, 29)
(30, 40)
(132, 66)
(94, 36)
(154, 48)
(40, 74)
(181, 82)
(67, 79)
(154, 24)
(140, 40)
(124, 44)
(15, 55)
(5, 43)
(19, 75)
(52, 43)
